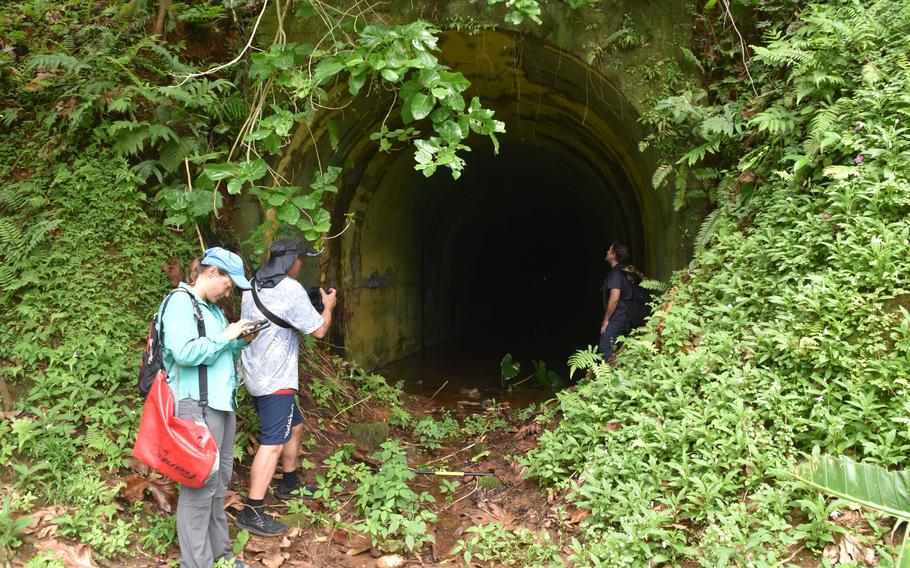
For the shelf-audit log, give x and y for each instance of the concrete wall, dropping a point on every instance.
(401, 278)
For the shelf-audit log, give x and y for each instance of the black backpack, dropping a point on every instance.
(152, 360)
(639, 307)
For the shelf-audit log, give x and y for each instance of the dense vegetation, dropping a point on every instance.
(789, 334)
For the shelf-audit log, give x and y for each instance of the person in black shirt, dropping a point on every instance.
(617, 294)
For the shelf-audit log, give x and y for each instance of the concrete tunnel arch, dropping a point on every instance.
(510, 257)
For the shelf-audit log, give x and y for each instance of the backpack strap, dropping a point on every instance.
(200, 327)
(265, 311)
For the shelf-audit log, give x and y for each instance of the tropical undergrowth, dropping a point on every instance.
(789, 334)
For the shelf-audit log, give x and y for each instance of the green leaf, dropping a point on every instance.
(421, 105)
(864, 484)
(276, 199)
(508, 368)
(327, 68)
(217, 172)
(390, 75)
(289, 213)
(356, 81)
(306, 202)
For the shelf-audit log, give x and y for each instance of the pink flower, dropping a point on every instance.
(858, 159)
(859, 127)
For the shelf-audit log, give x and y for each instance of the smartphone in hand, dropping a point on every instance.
(257, 327)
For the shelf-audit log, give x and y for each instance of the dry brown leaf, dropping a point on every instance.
(164, 492)
(351, 539)
(356, 551)
(848, 549)
(10, 414)
(136, 465)
(390, 561)
(41, 521)
(578, 516)
(488, 513)
(133, 488)
(531, 429)
(234, 501)
(259, 544)
(274, 559)
(73, 556)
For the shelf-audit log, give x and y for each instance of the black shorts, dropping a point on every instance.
(278, 414)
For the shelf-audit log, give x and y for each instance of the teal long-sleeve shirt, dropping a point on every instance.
(184, 350)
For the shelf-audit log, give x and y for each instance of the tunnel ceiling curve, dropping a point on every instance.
(511, 255)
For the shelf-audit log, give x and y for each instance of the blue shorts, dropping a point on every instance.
(278, 414)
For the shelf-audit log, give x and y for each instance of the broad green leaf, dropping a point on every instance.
(326, 69)
(306, 202)
(356, 81)
(509, 368)
(864, 484)
(390, 75)
(289, 213)
(276, 199)
(217, 172)
(421, 105)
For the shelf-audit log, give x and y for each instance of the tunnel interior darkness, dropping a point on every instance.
(510, 257)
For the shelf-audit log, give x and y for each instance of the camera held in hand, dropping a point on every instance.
(316, 297)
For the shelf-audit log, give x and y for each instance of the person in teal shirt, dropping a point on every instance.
(201, 523)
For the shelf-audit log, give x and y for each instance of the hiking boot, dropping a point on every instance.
(259, 523)
(288, 492)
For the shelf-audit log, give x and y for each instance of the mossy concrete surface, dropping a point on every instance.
(531, 223)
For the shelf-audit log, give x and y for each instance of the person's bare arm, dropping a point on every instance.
(328, 302)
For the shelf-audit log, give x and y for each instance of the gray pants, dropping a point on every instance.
(201, 524)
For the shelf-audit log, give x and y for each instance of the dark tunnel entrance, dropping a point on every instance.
(510, 257)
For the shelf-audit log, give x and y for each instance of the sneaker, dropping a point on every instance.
(259, 523)
(287, 492)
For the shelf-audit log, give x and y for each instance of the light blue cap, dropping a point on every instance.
(229, 262)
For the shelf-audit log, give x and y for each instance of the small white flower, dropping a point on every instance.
(877, 241)
(819, 399)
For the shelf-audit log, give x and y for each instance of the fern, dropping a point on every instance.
(129, 136)
(7, 277)
(689, 57)
(775, 120)
(585, 359)
(38, 232)
(660, 175)
(13, 246)
(654, 285)
(233, 109)
(55, 61)
(706, 232)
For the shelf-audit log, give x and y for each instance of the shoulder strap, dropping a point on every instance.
(200, 327)
(265, 311)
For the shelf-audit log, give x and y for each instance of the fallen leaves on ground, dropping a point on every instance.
(136, 465)
(234, 501)
(848, 550)
(488, 513)
(73, 556)
(133, 488)
(42, 526)
(164, 491)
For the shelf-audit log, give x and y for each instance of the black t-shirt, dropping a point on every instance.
(617, 280)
